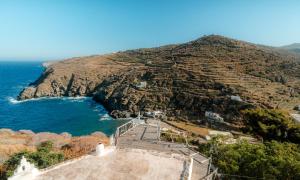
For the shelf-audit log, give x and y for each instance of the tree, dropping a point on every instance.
(42, 158)
(272, 124)
(271, 160)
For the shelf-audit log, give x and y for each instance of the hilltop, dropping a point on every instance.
(295, 47)
(185, 79)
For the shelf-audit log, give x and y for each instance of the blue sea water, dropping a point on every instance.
(77, 116)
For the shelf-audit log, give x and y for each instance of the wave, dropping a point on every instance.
(105, 117)
(76, 98)
(13, 100)
(19, 87)
(72, 99)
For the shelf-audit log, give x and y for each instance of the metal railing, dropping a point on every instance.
(210, 175)
(122, 130)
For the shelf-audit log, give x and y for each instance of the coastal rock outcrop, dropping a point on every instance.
(73, 77)
(184, 80)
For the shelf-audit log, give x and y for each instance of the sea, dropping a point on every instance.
(75, 115)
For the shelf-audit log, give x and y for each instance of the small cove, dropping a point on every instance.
(77, 116)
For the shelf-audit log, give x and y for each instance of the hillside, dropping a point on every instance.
(292, 47)
(184, 79)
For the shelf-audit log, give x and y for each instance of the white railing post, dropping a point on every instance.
(208, 169)
(190, 169)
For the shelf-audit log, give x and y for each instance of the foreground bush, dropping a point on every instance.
(42, 158)
(272, 124)
(271, 160)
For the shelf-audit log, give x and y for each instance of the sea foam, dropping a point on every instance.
(13, 100)
(73, 99)
(105, 117)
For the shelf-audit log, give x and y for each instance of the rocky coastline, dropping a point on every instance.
(184, 80)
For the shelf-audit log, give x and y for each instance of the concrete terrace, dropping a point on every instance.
(122, 164)
(139, 155)
(146, 137)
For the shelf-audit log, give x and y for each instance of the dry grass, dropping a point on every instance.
(189, 127)
(80, 146)
(13, 142)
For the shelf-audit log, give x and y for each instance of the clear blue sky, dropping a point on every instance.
(55, 29)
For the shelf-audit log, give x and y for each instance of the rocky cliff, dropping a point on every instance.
(185, 80)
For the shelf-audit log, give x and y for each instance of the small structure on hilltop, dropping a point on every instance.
(213, 117)
(142, 84)
(236, 98)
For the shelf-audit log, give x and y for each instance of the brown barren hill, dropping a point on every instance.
(185, 80)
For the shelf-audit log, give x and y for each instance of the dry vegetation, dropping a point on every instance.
(13, 142)
(80, 146)
(185, 79)
(190, 128)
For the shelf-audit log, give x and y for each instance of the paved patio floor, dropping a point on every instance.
(122, 164)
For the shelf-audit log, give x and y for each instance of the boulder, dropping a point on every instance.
(120, 114)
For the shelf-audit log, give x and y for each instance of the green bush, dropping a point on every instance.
(271, 160)
(42, 158)
(272, 124)
(46, 146)
(11, 164)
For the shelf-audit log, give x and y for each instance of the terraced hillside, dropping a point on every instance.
(185, 79)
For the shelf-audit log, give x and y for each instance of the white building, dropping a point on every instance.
(142, 84)
(25, 171)
(153, 113)
(213, 116)
(236, 98)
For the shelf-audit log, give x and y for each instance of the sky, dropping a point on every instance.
(58, 29)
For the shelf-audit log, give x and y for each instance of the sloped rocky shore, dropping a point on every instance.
(185, 80)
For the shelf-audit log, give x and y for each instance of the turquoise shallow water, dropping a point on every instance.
(77, 116)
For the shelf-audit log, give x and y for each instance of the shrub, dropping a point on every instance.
(46, 146)
(11, 164)
(272, 124)
(271, 160)
(42, 158)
